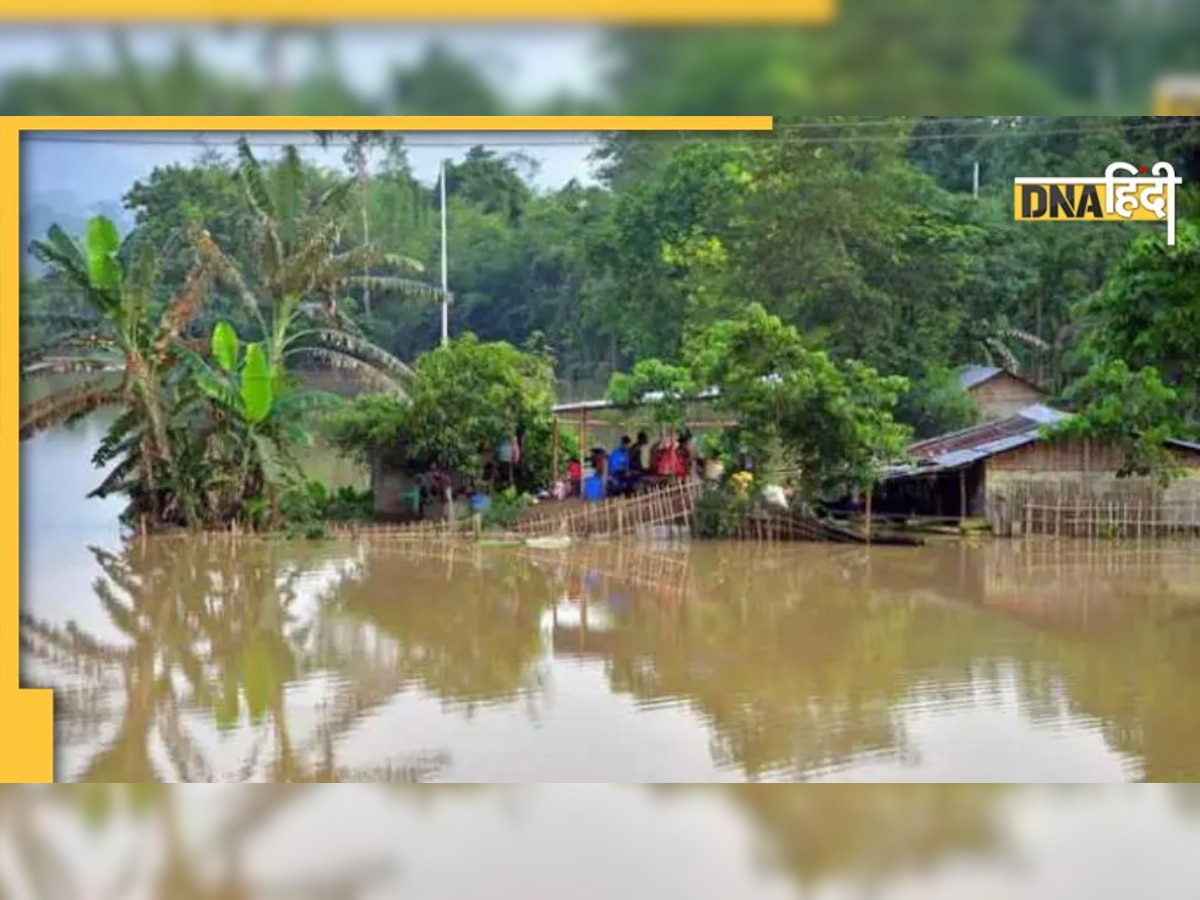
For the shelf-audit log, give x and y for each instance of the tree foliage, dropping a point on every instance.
(862, 236)
(468, 397)
(796, 406)
(1133, 410)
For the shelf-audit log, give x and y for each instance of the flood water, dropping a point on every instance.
(211, 659)
(240, 659)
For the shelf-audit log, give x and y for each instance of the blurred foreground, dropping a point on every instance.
(941, 57)
(600, 841)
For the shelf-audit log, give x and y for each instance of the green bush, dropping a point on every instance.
(505, 509)
(307, 508)
(348, 504)
(718, 514)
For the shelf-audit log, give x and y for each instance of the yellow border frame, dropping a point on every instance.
(26, 715)
(629, 12)
(1176, 95)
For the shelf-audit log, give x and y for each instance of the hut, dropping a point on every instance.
(999, 393)
(1006, 472)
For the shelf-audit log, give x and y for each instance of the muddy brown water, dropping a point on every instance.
(210, 659)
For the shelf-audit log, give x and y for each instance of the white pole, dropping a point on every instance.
(976, 182)
(445, 270)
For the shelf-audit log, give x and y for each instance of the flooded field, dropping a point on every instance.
(212, 659)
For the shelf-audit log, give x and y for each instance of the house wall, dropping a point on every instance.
(1036, 483)
(1003, 396)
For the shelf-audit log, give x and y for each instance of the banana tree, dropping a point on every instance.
(247, 442)
(301, 270)
(138, 337)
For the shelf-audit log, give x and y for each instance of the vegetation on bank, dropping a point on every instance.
(208, 423)
(829, 328)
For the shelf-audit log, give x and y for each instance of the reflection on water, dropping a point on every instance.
(935, 842)
(225, 659)
(214, 659)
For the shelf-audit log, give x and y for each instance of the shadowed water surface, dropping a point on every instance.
(198, 659)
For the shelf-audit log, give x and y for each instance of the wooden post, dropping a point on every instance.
(870, 494)
(962, 497)
(583, 423)
(554, 473)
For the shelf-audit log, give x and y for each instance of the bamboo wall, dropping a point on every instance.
(1092, 505)
(1074, 458)
(1004, 396)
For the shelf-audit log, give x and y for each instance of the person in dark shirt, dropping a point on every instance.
(618, 466)
(639, 459)
(683, 457)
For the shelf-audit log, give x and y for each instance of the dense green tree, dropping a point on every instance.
(1132, 410)
(467, 397)
(1148, 314)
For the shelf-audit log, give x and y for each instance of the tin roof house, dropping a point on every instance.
(989, 470)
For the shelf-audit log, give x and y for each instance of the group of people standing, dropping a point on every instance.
(637, 463)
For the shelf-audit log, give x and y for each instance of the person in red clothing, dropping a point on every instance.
(668, 458)
(575, 476)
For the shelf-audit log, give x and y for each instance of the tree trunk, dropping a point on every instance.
(364, 208)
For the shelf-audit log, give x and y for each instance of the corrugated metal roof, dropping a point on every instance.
(1183, 445)
(973, 376)
(1044, 415)
(956, 458)
(652, 397)
(961, 448)
(1029, 420)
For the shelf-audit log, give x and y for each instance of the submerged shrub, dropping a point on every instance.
(718, 513)
(505, 509)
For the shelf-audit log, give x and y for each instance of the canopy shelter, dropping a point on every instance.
(583, 414)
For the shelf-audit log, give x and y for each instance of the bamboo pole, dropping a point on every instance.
(554, 473)
(583, 424)
(962, 495)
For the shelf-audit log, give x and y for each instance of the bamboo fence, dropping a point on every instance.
(1078, 510)
(670, 505)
